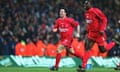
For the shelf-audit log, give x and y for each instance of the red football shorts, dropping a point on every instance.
(67, 42)
(97, 37)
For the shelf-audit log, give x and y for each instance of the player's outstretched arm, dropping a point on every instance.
(78, 31)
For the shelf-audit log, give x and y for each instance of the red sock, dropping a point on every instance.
(85, 59)
(58, 57)
(109, 46)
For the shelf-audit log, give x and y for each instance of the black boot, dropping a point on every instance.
(53, 68)
(80, 69)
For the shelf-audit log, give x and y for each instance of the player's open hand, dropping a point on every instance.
(78, 35)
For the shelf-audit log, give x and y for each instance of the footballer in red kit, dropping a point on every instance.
(96, 25)
(65, 26)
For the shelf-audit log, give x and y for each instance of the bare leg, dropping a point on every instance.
(58, 57)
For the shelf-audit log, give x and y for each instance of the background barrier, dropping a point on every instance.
(36, 61)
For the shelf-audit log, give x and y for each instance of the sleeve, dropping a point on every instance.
(74, 23)
(55, 25)
(102, 18)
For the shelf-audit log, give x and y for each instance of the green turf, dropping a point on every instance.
(33, 69)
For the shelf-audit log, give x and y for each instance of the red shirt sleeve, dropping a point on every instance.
(56, 24)
(73, 22)
(102, 18)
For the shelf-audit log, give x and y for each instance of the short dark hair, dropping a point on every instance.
(86, 1)
(66, 10)
(92, 2)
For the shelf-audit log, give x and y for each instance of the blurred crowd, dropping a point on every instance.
(32, 20)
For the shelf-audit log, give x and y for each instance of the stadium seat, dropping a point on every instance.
(20, 49)
(95, 50)
(51, 50)
(78, 46)
(31, 49)
(40, 50)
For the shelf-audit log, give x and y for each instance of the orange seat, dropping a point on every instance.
(78, 46)
(51, 50)
(31, 49)
(20, 49)
(94, 50)
(40, 50)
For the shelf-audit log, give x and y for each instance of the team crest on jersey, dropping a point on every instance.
(63, 29)
(88, 21)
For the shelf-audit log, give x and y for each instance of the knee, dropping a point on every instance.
(58, 50)
(71, 50)
(103, 51)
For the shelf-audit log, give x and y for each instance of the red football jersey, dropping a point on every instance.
(65, 27)
(95, 19)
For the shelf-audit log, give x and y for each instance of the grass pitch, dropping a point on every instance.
(39, 69)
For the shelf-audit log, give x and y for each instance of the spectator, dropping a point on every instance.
(19, 15)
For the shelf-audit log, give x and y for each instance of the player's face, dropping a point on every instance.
(62, 13)
(87, 5)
